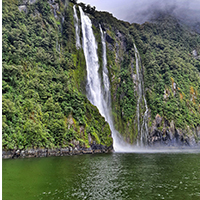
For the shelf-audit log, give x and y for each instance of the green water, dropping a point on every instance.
(105, 176)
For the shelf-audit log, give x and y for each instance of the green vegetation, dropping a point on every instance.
(44, 76)
(43, 102)
(172, 75)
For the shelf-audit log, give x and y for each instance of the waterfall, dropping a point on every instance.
(76, 23)
(95, 93)
(143, 129)
(106, 82)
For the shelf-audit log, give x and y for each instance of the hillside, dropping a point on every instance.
(44, 78)
(43, 105)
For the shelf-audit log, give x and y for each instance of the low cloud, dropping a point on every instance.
(186, 10)
(140, 11)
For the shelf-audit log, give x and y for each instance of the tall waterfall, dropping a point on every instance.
(76, 23)
(143, 129)
(95, 93)
(106, 82)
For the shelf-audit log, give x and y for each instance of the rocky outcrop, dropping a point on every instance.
(24, 3)
(109, 39)
(163, 132)
(195, 54)
(54, 6)
(22, 8)
(41, 152)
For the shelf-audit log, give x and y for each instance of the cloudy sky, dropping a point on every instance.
(139, 11)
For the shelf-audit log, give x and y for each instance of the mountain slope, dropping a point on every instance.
(42, 75)
(44, 78)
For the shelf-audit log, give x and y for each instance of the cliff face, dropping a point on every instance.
(44, 79)
(44, 102)
(170, 78)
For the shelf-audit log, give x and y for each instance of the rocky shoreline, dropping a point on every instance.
(42, 152)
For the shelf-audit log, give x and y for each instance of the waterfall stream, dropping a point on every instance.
(143, 129)
(76, 23)
(97, 95)
(106, 82)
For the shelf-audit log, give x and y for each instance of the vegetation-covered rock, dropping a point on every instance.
(170, 69)
(44, 100)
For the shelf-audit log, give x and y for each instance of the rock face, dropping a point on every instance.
(195, 54)
(32, 1)
(109, 39)
(163, 132)
(77, 150)
(22, 8)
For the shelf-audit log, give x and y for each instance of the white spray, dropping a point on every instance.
(106, 81)
(76, 23)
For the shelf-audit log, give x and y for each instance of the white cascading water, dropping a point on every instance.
(142, 130)
(77, 30)
(106, 82)
(95, 93)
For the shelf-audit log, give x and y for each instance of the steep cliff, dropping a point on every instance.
(153, 73)
(170, 76)
(44, 102)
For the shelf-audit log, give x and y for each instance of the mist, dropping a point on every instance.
(135, 11)
(147, 10)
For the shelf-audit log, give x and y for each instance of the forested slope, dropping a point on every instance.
(43, 105)
(44, 101)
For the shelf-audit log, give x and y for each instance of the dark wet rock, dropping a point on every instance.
(98, 147)
(110, 47)
(22, 153)
(87, 151)
(97, 151)
(109, 39)
(42, 152)
(6, 154)
(172, 127)
(76, 151)
(64, 151)
(162, 132)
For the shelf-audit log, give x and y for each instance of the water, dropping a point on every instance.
(143, 129)
(106, 82)
(138, 176)
(100, 95)
(77, 29)
(95, 92)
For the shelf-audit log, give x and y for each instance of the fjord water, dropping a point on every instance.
(135, 176)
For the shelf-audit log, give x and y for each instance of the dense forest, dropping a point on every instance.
(42, 74)
(171, 69)
(44, 101)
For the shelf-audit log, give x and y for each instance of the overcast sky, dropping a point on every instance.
(139, 11)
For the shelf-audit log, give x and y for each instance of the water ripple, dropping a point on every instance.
(106, 177)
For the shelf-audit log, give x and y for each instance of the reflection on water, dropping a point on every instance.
(104, 176)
